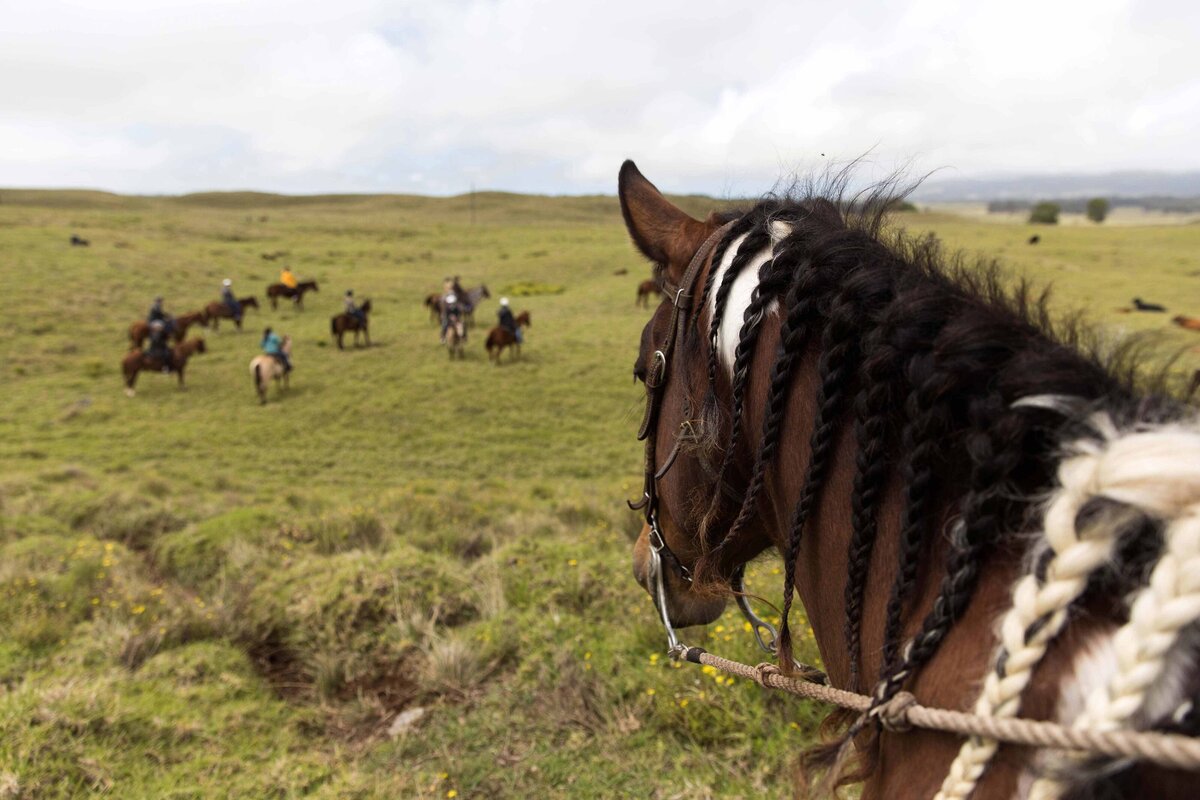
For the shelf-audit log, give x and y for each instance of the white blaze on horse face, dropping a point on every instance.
(740, 293)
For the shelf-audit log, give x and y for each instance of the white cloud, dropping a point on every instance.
(138, 95)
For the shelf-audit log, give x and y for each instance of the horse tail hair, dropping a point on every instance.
(333, 326)
(257, 375)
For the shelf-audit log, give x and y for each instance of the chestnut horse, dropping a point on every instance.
(434, 303)
(278, 290)
(264, 368)
(971, 509)
(344, 322)
(645, 289)
(135, 361)
(218, 310)
(1187, 323)
(139, 330)
(499, 338)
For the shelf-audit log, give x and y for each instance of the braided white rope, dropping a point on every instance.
(1168, 603)
(1127, 468)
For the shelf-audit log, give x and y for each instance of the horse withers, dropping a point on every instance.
(135, 361)
(971, 509)
(341, 323)
(265, 368)
(499, 338)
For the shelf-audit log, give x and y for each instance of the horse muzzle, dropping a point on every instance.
(685, 604)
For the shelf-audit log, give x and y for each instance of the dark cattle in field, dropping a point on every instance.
(1034, 239)
(1143, 306)
(79, 241)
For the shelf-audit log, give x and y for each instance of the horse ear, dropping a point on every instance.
(665, 234)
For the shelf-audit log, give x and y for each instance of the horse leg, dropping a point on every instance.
(274, 305)
(182, 386)
(130, 379)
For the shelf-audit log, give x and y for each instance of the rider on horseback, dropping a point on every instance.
(159, 350)
(157, 314)
(452, 314)
(231, 302)
(272, 345)
(287, 278)
(352, 308)
(508, 322)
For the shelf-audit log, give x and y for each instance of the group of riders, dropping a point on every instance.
(162, 325)
(456, 305)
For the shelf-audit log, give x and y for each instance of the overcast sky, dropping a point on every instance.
(723, 98)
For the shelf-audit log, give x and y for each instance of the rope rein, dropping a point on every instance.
(904, 713)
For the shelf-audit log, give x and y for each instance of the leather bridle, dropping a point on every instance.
(661, 556)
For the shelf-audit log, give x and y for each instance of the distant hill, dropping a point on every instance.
(1066, 185)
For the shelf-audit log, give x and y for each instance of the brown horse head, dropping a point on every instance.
(894, 428)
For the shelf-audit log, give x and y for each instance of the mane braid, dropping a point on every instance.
(742, 226)
(793, 335)
(871, 467)
(772, 281)
(981, 524)
(757, 239)
(919, 441)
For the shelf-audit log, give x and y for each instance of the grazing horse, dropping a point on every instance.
(499, 338)
(278, 290)
(136, 361)
(971, 509)
(218, 310)
(345, 322)
(1187, 323)
(79, 241)
(264, 368)
(645, 289)
(139, 330)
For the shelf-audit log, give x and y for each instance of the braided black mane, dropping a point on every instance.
(921, 354)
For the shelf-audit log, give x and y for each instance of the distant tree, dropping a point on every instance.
(902, 206)
(1045, 214)
(1097, 209)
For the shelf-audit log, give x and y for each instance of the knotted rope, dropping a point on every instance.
(903, 713)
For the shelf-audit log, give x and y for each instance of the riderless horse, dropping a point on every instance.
(644, 291)
(973, 505)
(136, 361)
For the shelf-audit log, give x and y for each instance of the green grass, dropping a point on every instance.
(203, 597)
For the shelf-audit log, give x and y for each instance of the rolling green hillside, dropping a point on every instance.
(204, 597)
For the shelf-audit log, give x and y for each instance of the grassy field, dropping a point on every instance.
(202, 597)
